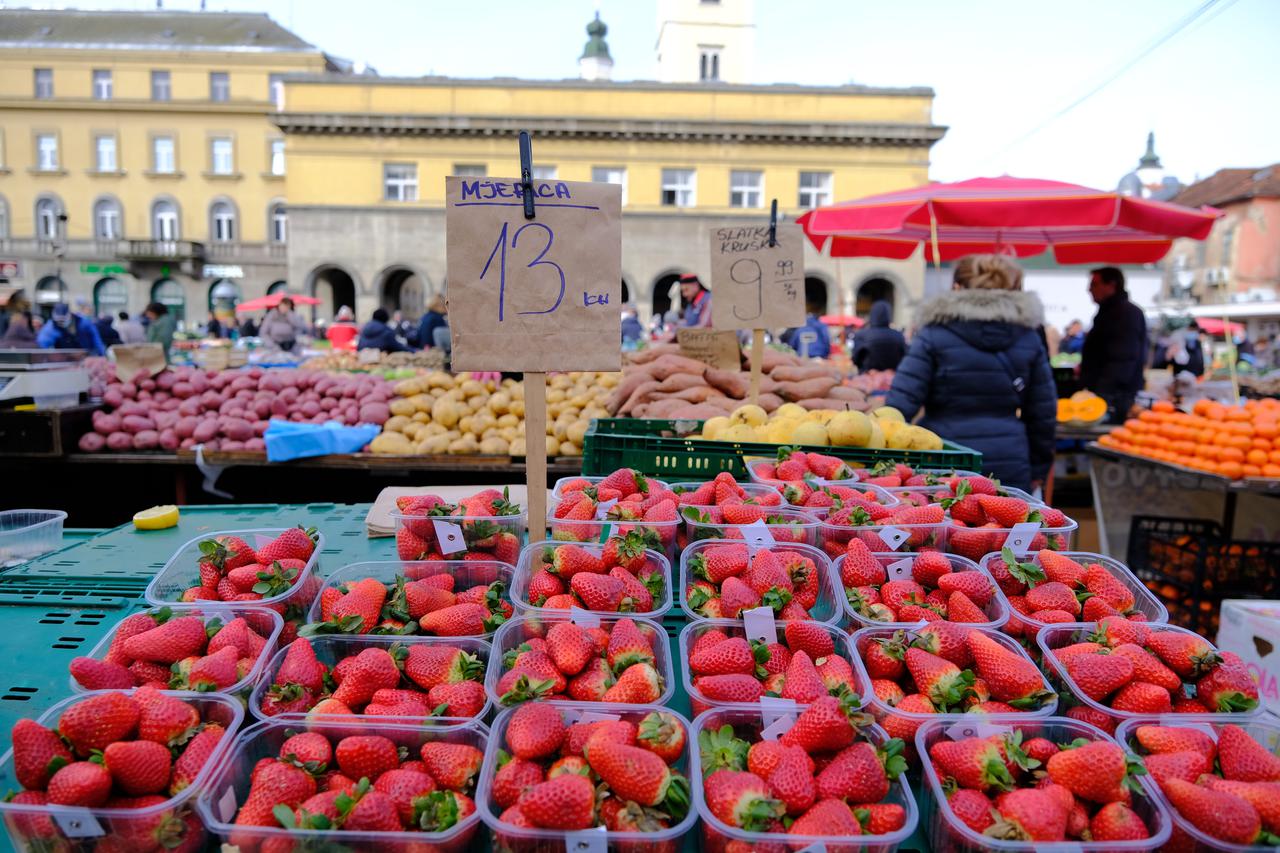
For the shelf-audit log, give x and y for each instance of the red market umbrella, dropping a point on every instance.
(1005, 215)
(1212, 326)
(842, 320)
(271, 300)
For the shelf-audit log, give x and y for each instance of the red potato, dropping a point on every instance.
(185, 427)
(119, 441)
(146, 383)
(237, 429)
(129, 390)
(137, 423)
(146, 439)
(210, 399)
(374, 413)
(257, 444)
(260, 428)
(169, 440)
(205, 431)
(310, 409)
(113, 396)
(187, 444)
(92, 442)
(106, 424)
(230, 445)
(199, 383)
(166, 380)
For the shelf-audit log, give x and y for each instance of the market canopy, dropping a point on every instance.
(271, 300)
(1214, 326)
(1005, 215)
(842, 320)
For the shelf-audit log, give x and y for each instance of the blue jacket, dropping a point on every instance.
(427, 326)
(980, 372)
(80, 334)
(820, 348)
(377, 335)
(878, 347)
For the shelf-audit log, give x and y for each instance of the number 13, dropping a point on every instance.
(500, 248)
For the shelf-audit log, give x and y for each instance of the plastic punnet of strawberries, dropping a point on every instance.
(321, 780)
(557, 772)
(794, 466)
(1134, 668)
(620, 576)
(864, 521)
(1024, 785)
(981, 520)
(938, 588)
(429, 605)
(492, 527)
(822, 777)
(413, 679)
(230, 570)
(725, 489)
(178, 649)
(625, 500)
(116, 751)
(1053, 588)
(556, 658)
(724, 578)
(809, 661)
(1227, 785)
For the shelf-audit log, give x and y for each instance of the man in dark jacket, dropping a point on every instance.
(1115, 349)
(377, 334)
(878, 347)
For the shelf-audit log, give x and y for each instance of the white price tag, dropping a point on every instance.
(602, 509)
(1020, 536)
(597, 717)
(593, 840)
(778, 715)
(760, 625)
(78, 824)
(815, 847)
(900, 569)
(450, 537)
(227, 805)
(757, 535)
(894, 537)
(966, 729)
(584, 618)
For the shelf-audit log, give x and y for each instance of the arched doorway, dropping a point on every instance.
(663, 289)
(626, 292)
(870, 291)
(815, 293)
(50, 290)
(224, 296)
(401, 289)
(277, 287)
(110, 297)
(334, 287)
(169, 293)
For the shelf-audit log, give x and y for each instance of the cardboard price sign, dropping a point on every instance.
(534, 295)
(755, 285)
(717, 349)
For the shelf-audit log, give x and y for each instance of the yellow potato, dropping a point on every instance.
(462, 447)
(577, 431)
(500, 402)
(553, 446)
(402, 407)
(517, 407)
(466, 424)
(440, 379)
(422, 402)
(568, 448)
(517, 446)
(508, 420)
(391, 444)
(396, 423)
(434, 428)
(495, 446)
(433, 445)
(556, 395)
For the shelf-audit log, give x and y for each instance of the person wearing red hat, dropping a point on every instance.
(697, 302)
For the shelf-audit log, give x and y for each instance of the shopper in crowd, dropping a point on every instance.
(248, 328)
(20, 329)
(436, 316)
(1264, 354)
(378, 334)
(979, 370)
(402, 327)
(632, 330)
(107, 332)
(1181, 353)
(342, 333)
(160, 326)
(878, 346)
(1115, 349)
(213, 329)
(697, 301)
(799, 338)
(1073, 338)
(130, 331)
(282, 327)
(70, 331)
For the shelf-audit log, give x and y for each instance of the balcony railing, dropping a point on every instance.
(160, 250)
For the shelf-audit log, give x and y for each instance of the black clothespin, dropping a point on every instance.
(526, 173)
(773, 223)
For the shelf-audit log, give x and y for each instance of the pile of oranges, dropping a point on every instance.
(1230, 441)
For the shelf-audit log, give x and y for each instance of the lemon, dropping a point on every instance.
(156, 518)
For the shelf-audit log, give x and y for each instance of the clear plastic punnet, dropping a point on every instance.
(332, 648)
(826, 609)
(976, 542)
(996, 609)
(756, 474)
(263, 622)
(748, 722)
(27, 533)
(498, 537)
(784, 524)
(870, 492)
(506, 836)
(33, 828)
(948, 834)
(529, 626)
(224, 791)
(754, 492)
(659, 536)
(834, 538)
(183, 572)
(532, 557)
(558, 491)
(700, 702)
(1186, 837)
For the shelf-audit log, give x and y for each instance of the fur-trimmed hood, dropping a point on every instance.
(1015, 307)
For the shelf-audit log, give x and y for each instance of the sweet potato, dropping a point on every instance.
(812, 403)
(734, 383)
(801, 373)
(817, 387)
(698, 412)
(699, 394)
(668, 364)
(632, 378)
(844, 392)
(638, 396)
(664, 407)
(773, 359)
(770, 402)
(681, 381)
(650, 353)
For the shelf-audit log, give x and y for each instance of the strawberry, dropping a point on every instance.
(636, 774)
(296, 543)
(638, 684)
(880, 818)
(99, 720)
(1263, 796)
(163, 719)
(1147, 668)
(514, 777)
(928, 567)
(1142, 698)
(897, 593)
(301, 667)
(1243, 759)
(625, 552)
(971, 807)
(212, 672)
(736, 596)
(1108, 587)
(535, 731)
(372, 669)
(741, 800)
(225, 553)
(427, 666)
(373, 812)
(1095, 771)
(464, 699)
(452, 765)
(827, 818)
(733, 655)
(1005, 512)
(461, 620)
(571, 560)
(837, 675)
(366, 755)
(1010, 676)
(138, 767)
(1029, 814)
(719, 562)
(729, 688)
(1052, 595)
(565, 802)
(1060, 568)
(543, 585)
(972, 762)
(93, 674)
(1228, 689)
(593, 683)
(861, 773)
(1186, 765)
(38, 753)
(81, 783)
(1184, 653)
(946, 641)
(937, 678)
(570, 647)
(1098, 676)
(975, 585)
(803, 684)
(883, 657)
(628, 646)
(810, 638)
(274, 783)
(791, 780)
(859, 567)
(1093, 717)
(826, 725)
(1175, 739)
(1116, 631)
(662, 734)
(600, 592)
(1218, 814)
(169, 642)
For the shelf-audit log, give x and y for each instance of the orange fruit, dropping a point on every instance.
(1256, 457)
(1251, 470)
(1231, 454)
(1271, 470)
(1230, 470)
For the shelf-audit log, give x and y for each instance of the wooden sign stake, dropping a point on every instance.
(535, 390)
(757, 335)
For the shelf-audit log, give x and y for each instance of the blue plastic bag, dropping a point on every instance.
(287, 440)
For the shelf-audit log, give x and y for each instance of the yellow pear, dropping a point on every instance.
(714, 427)
(811, 433)
(739, 432)
(789, 410)
(749, 414)
(849, 429)
(924, 439)
(782, 430)
(889, 413)
(889, 427)
(898, 439)
(876, 441)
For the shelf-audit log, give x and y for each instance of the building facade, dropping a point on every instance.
(137, 161)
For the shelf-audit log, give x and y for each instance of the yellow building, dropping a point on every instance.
(368, 157)
(137, 160)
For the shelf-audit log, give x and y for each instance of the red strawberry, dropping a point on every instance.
(962, 610)
(600, 592)
(827, 818)
(37, 754)
(300, 666)
(1147, 668)
(1184, 653)
(93, 674)
(826, 725)
(897, 593)
(1185, 765)
(164, 719)
(571, 560)
(736, 596)
(972, 762)
(947, 641)
(859, 568)
(937, 678)
(514, 777)
(928, 567)
(138, 767)
(296, 543)
(1218, 814)
(803, 683)
(427, 666)
(1098, 676)
(216, 671)
(883, 657)
(366, 756)
(1029, 814)
(99, 720)
(662, 734)
(593, 683)
(1142, 698)
(81, 783)
(460, 620)
(452, 765)
(975, 585)
(373, 669)
(169, 642)
(1053, 596)
(1175, 739)
(1094, 772)
(628, 646)
(638, 775)
(565, 802)
(971, 807)
(1243, 759)
(1263, 796)
(734, 655)
(1228, 689)
(858, 773)
(729, 688)
(1108, 587)
(791, 780)
(810, 638)
(638, 684)
(743, 800)
(1010, 676)
(1093, 716)
(535, 731)
(880, 818)
(543, 585)
(194, 757)
(1006, 512)
(464, 699)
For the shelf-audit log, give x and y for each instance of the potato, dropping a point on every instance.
(402, 407)
(517, 447)
(396, 423)
(467, 424)
(556, 395)
(495, 446)
(433, 445)
(482, 421)
(553, 446)
(471, 388)
(445, 412)
(421, 402)
(508, 420)
(568, 448)
(577, 431)
(440, 379)
(434, 428)
(462, 447)
(500, 402)
(391, 444)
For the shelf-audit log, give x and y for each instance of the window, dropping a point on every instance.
(470, 170)
(815, 189)
(544, 173)
(164, 221)
(163, 160)
(611, 175)
(160, 86)
(708, 62)
(47, 152)
(678, 188)
(221, 159)
(44, 83)
(275, 90)
(223, 217)
(47, 211)
(109, 296)
(106, 219)
(399, 181)
(279, 222)
(101, 85)
(746, 189)
(277, 156)
(169, 293)
(105, 151)
(4, 218)
(219, 86)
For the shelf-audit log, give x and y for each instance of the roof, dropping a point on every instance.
(159, 29)
(1227, 185)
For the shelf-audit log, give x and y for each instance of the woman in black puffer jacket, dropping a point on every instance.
(979, 369)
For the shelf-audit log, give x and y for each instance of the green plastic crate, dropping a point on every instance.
(655, 448)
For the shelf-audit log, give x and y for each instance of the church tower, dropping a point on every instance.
(706, 41)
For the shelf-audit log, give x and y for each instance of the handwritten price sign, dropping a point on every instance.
(755, 285)
(534, 295)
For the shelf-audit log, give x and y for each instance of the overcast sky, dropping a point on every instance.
(1001, 68)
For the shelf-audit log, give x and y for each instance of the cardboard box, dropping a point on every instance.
(1251, 629)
